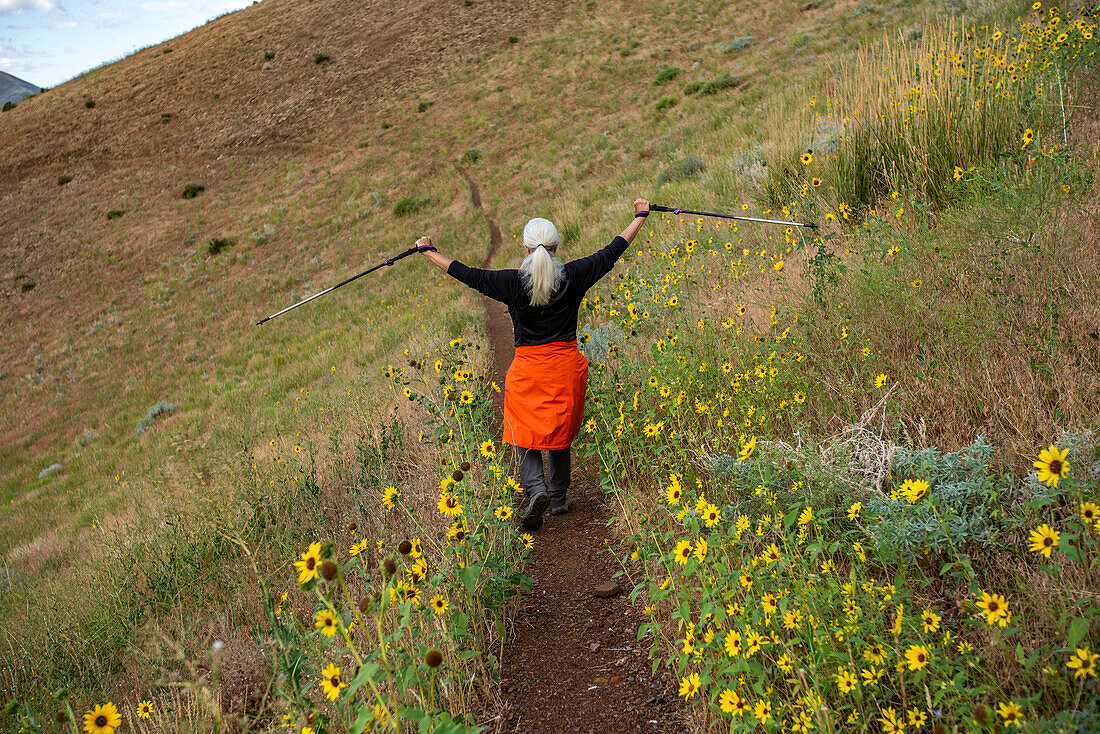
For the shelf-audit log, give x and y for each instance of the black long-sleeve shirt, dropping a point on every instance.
(557, 320)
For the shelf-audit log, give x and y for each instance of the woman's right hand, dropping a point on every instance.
(641, 205)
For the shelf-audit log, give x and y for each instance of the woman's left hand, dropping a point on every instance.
(425, 244)
(641, 205)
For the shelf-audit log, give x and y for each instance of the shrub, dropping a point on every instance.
(115, 213)
(737, 44)
(216, 244)
(692, 87)
(89, 103)
(625, 51)
(409, 205)
(49, 471)
(269, 55)
(160, 409)
(423, 106)
(386, 125)
(667, 74)
(665, 102)
(9, 106)
(472, 155)
(165, 116)
(513, 39)
(64, 179)
(720, 82)
(682, 169)
(191, 190)
(320, 58)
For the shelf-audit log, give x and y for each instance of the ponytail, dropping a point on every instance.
(542, 273)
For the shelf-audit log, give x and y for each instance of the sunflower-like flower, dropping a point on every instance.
(747, 450)
(456, 534)
(1052, 466)
(145, 709)
(439, 604)
(102, 719)
(689, 685)
(488, 449)
(995, 609)
(1082, 663)
(916, 657)
(683, 552)
(310, 564)
(389, 496)
(503, 512)
(914, 490)
(331, 682)
(1044, 539)
(449, 505)
(326, 622)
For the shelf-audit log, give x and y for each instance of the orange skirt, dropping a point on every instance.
(544, 396)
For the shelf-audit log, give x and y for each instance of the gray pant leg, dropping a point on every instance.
(530, 471)
(560, 466)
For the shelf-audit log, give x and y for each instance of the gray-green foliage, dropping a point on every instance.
(664, 103)
(737, 44)
(682, 169)
(151, 416)
(965, 502)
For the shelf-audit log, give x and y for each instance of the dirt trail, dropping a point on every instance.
(573, 663)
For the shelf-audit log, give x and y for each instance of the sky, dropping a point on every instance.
(46, 42)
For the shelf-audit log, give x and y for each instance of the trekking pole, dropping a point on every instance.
(384, 263)
(656, 208)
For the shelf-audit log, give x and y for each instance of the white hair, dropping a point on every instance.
(542, 273)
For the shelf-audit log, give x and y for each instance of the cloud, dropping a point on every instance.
(22, 6)
(161, 5)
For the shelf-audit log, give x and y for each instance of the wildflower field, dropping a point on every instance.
(854, 470)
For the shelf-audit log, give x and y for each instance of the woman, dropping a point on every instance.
(545, 386)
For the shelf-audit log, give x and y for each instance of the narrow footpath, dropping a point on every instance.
(572, 662)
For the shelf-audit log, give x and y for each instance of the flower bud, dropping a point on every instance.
(328, 570)
(434, 658)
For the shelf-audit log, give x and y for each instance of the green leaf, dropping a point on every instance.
(362, 718)
(469, 654)
(469, 576)
(366, 672)
(1078, 628)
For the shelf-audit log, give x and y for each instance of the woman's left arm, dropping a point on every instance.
(425, 246)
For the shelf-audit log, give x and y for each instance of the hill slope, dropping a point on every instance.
(14, 89)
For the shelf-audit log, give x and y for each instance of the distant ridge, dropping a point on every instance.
(14, 89)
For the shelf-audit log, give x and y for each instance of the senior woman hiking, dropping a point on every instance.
(545, 386)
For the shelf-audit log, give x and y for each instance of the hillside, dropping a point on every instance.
(13, 89)
(170, 458)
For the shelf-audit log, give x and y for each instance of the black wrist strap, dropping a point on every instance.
(643, 215)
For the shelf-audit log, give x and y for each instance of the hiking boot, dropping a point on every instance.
(531, 519)
(560, 508)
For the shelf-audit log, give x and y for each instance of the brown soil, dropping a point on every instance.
(573, 662)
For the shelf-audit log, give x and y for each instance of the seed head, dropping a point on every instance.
(60, 717)
(457, 475)
(352, 527)
(365, 604)
(404, 547)
(981, 714)
(464, 466)
(939, 729)
(328, 570)
(389, 567)
(434, 658)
